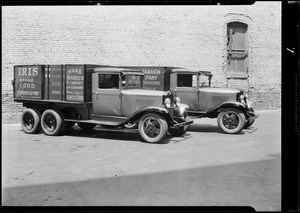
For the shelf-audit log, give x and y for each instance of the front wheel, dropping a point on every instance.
(30, 121)
(231, 120)
(52, 122)
(152, 128)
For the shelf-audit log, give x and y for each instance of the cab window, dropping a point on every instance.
(108, 81)
(186, 80)
(132, 81)
(204, 81)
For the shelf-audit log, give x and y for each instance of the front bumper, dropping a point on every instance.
(178, 114)
(251, 116)
(177, 125)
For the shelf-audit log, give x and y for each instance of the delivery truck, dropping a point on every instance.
(231, 107)
(59, 96)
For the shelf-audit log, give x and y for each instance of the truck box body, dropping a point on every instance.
(67, 83)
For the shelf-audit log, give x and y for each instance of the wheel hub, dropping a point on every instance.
(152, 130)
(230, 120)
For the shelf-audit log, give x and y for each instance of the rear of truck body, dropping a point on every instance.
(61, 86)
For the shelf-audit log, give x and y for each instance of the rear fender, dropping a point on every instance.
(214, 112)
(151, 109)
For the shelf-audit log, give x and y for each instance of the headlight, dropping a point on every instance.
(177, 101)
(182, 108)
(167, 102)
(249, 104)
(242, 99)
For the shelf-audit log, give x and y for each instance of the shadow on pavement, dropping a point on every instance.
(209, 128)
(255, 184)
(106, 133)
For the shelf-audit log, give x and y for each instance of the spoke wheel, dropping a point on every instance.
(231, 120)
(152, 128)
(52, 122)
(30, 121)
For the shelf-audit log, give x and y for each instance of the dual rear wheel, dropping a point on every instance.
(30, 121)
(51, 122)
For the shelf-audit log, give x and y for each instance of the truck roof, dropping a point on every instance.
(184, 70)
(118, 70)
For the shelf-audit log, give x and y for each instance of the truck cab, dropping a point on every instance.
(231, 107)
(109, 96)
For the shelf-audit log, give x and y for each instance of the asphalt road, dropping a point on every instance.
(115, 168)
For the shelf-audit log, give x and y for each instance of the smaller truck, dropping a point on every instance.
(231, 107)
(59, 96)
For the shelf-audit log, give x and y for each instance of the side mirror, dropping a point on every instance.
(123, 83)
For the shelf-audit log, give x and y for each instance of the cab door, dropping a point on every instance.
(186, 89)
(106, 94)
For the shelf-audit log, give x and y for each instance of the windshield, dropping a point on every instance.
(132, 82)
(190, 80)
(204, 81)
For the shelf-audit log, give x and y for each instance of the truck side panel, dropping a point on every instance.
(68, 83)
(75, 83)
(28, 81)
(55, 80)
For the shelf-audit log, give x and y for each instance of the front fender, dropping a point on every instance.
(213, 113)
(151, 109)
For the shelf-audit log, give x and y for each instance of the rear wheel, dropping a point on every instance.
(86, 126)
(52, 122)
(31, 121)
(153, 128)
(231, 120)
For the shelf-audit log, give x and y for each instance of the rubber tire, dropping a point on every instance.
(59, 119)
(86, 126)
(36, 116)
(163, 128)
(239, 114)
(179, 132)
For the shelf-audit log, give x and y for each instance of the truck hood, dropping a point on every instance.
(219, 90)
(136, 99)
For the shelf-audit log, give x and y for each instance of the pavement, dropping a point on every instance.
(107, 167)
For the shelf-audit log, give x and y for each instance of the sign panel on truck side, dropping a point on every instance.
(28, 81)
(154, 77)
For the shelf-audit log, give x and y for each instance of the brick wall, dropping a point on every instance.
(187, 36)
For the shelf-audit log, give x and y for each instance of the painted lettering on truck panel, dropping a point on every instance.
(153, 79)
(28, 82)
(75, 83)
